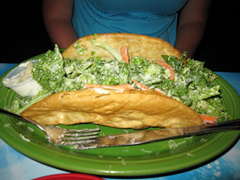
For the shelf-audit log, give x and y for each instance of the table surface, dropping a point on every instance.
(14, 165)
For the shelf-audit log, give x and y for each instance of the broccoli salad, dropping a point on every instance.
(193, 84)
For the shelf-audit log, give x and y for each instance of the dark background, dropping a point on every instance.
(23, 34)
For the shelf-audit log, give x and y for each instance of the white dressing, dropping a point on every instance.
(20, 80)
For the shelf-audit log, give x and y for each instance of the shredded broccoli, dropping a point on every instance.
(193, 84)
(22, 103)
(49, 71)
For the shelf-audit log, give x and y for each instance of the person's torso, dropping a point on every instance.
(161, 7)
(157, 18)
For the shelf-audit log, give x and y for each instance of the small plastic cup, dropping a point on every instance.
(28, 87)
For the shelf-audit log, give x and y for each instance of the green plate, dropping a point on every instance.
(169, 156)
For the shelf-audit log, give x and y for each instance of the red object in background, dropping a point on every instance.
(69, 176)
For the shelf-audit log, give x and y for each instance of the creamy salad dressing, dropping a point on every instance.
(21, 81)
(21, 76)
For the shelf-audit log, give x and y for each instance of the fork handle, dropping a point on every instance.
(9, 112)
(217, 127)
(20, 117)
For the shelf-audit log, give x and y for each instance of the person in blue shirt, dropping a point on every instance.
(179, 22)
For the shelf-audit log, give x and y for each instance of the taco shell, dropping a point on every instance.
(135, 109)
(150, 48)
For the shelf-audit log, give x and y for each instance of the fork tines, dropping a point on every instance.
(75, 136)
(82, 130)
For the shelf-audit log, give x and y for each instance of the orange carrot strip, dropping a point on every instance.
(208, 118)
(92, 86)
(184, 61)
(124, 53)
(159, 91)
(169, 67)
(124, 86)
(141, 86)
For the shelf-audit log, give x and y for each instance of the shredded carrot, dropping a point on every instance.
(169, 67)
(208, 118)
(141, 86)
(124, 86)
(124, 53)
(159, 91)
(184, 61)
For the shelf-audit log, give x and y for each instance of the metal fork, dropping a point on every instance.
(61, 136)
(147, 136)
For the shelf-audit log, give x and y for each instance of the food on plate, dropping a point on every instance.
(121, 109)
(110, 46)
(125, 81)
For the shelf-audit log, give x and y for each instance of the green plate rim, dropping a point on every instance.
(129, 166)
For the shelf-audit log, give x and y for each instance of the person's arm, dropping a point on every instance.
(191, 27)
(57, 15)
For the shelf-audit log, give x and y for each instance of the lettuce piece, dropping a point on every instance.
(22, 103)
(112, 51)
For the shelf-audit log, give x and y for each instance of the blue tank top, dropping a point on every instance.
(156, 18)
